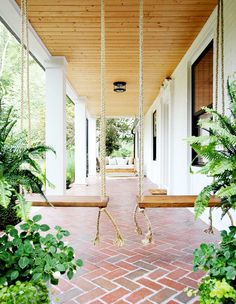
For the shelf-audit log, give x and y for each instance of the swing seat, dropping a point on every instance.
(158, 191)
(67, 201)
(173, 201)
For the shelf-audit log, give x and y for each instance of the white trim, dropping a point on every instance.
(11, 14)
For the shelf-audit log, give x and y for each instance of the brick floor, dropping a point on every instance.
(156, 273)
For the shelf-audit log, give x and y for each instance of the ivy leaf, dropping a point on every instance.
(61, 267)
(79, 263)
(231, 273)
(44, 227)
(36, 276)
(14, 275)
(37, 218)
(23, 262)
(70, 274)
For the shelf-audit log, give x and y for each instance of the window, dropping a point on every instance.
(154, 137)
(202, 92)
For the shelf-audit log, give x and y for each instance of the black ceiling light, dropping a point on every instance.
(119, 86)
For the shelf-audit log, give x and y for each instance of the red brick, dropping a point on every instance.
(172, 302)
(150, 284)
(157, 274)
(94, 274)
(83, 284)
(104, 283)
(115, 274)
(183, 265)
(165, 265)
(128, 284)
(89, 296)
(135, 274)
(172, 284)
(107, 266)
(138, 295)
(126, 266)
(196, 275)
(134, 258)
(189, 282)
(176, 274)
(115, 295)
(162, 295)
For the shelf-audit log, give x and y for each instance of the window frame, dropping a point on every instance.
(197, 115)
(154, 135)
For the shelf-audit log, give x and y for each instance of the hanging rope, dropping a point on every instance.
(149, 235)
(219, 59)
(25, 88)
(22, 63)
(119, 241)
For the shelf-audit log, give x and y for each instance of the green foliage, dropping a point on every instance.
(29, 255)
(70, 168)
(19, 165)
(219, 153)
(212, 291)
(25, 293)
(118, 135)
(219, 261)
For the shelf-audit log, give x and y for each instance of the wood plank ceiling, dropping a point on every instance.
(71, 28)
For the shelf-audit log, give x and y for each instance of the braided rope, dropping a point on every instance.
(220, 51)
(210, 230)
(141, 104)
(27, 73)
(22, 63)
(149, 235)
(119, 241)
(222, 57)
(138, 229)
(97, 236)
(103, 106)
(25, 91)
(217, 55)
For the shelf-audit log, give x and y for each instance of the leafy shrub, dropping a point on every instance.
(19, 168)
(24, 293)
(27, 255)
(219, 152)
(219, 261)
(212, 291)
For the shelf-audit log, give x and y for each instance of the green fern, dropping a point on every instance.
(218, 150)
(19, 165)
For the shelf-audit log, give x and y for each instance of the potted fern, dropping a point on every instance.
(218, 149)
(19, 170)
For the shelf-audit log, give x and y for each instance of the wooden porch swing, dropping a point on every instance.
(159, 197)
(101, 201)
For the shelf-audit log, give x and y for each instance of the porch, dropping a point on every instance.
(156, 273)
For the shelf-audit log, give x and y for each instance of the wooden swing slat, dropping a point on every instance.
(67, 201)
(173, 201)
(158, 191)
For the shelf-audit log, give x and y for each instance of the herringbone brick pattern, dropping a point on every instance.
(157, 273)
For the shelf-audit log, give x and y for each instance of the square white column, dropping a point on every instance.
(80, 141)
(56, 124)
(92, 139)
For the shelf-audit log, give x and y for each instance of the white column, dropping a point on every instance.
(92, 146)
(80, 141)
(56, 124)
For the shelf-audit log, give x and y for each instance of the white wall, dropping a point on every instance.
(180, 180)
